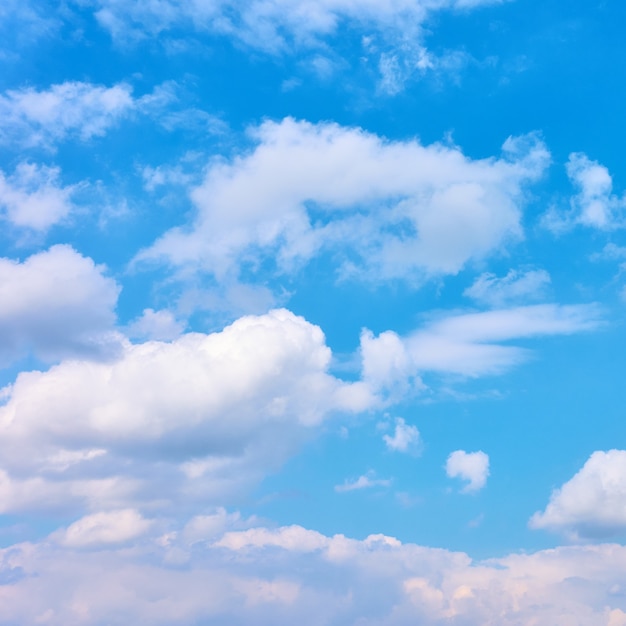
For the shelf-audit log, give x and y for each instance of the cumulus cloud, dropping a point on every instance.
(405, 437)
(394, 209)
(57, 303)
(468, 344)
(292, 575)
(32, 197)
(592, 504)
(187, 422)
(470, 466)
(516, 286)
(367, 481)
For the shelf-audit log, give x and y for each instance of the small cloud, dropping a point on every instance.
(156, 325)
(366, 481)
(470, 466)
(404, 439)
(516, 286)
(104, 529)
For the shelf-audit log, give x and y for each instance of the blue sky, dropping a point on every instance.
(312, 311)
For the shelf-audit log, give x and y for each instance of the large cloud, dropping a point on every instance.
(592, 504)
(395, 209)
(280, 576)
(190, 421)
(57, 303)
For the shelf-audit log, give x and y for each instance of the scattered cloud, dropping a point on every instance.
(32, 197)
(592, 504)
(517, 286)
(81, 110)
(470, 466)
(405, 437)
(367, 481)
(594, 205)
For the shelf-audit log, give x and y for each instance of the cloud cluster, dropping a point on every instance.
(294, 575)
(386, 209)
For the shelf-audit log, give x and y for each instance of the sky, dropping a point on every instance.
(312, 311)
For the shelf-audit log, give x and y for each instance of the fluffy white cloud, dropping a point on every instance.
(290, 575)
(516, 286)
(33, 198)
(592, 504)
(104, 528)
(367, 481)
(470, 466)
(190, 421)
(469, 344)
(57, 303)
(405, 437)
(398, 208)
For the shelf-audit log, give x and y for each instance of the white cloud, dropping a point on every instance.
(57, 303)
(516, 286)
(33, 198)
(398, 208)
(273, 25)
(293, 575)
(194, 421)
(78, 109)
(33, 117)
(470, 466)
(405, 437)
(594, 205)
(468, 344)
(592, 504)
(367, 481)
(104, 528)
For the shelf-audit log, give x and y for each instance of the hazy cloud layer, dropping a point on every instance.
(293, 575)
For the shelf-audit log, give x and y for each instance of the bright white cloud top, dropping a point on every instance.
(312, 312)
